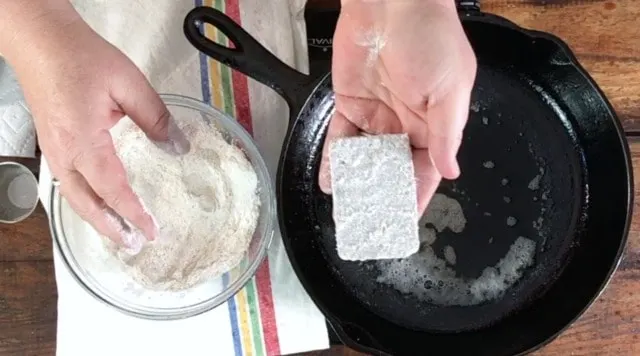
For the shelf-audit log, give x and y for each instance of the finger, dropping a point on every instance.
(177, 143)
(445, 122)
(415, 126)
(93, 210)
(107, 177)
(338, 127)
(427, 178)
(369, 115)
(142, 104)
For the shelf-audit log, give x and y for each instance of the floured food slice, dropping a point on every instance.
(374, 197)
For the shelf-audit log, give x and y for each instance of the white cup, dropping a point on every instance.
(18, 192)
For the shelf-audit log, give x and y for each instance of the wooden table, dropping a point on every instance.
(605, 36)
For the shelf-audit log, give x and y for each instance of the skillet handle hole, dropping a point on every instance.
(213, 34)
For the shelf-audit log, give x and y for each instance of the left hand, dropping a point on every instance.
(403, 66)
(78, 86)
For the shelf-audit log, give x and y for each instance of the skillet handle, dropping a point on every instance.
(354, 336)
(247, 56)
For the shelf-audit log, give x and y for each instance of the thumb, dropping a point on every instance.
(142, 104)
(445, 121)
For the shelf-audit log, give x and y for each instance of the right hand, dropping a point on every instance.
(403, 66)
(78, 86)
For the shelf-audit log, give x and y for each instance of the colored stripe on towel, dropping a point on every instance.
(212, 93)
(251, 310)
(261, 283)
(239, 314)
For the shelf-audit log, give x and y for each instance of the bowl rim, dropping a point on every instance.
(32, 177)
(154, 313)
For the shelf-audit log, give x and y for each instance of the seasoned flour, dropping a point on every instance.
(204, 202)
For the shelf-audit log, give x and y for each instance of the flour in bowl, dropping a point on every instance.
(205, 204)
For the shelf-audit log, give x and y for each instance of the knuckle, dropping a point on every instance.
(65, 147)
(85, 208)
(93, 214)
(140, 218)
(105, 174)
(115, 193)
(130, 208)
(161, 122)
(112, 198)
(83, 157)
(77, 157)
(65, 140)
(89, 151)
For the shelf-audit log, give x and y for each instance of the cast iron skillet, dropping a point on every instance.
(542, 147)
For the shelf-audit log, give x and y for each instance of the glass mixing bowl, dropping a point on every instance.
(117, 289)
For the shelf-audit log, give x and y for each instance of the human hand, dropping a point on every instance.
(78, 86)
(403, 66)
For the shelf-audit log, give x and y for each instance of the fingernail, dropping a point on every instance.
(456, 169)
(156, 229)
(133, 241)
(130, 237)
(149, 234)
(177, 138)
(177, 143)
(324, 181)
(453, 164)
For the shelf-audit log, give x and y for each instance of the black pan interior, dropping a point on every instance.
(534, 113)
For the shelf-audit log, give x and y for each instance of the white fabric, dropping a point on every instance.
(150, 33)
(17, 133)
